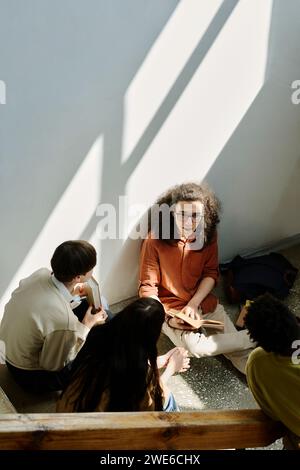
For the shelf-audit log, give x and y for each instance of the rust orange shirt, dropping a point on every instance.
(173, 272)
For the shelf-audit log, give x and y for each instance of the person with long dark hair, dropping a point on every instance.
(117, 368)
(179, 267)
(273, 369)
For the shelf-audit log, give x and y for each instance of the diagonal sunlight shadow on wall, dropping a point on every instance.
(168, 103)
(116, 178)
(261, 158)
(78, 208)
(72, 82)
(177, 89)
(218, 125)
(115, 174)
(111, 178)
(283, 49)
(281, 70)
(261, 176)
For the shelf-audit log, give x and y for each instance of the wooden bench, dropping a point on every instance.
(5, 404)
(198, 430)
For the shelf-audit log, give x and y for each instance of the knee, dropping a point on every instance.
(199, 345)
(220, 313)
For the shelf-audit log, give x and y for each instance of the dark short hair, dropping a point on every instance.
(271, 323)
(73, 258)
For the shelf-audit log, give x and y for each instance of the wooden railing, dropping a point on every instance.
(217, 429)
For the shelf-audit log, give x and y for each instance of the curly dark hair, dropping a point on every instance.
(188, 192)
(272, 325)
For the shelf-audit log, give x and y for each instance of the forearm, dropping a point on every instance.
(177, 362)
(168, 372)
(205, 287)
(162, 360)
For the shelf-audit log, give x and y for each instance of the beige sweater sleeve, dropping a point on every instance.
(61, 347)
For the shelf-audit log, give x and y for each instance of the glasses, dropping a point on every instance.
(195, 216)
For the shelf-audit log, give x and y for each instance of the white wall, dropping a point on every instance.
(127, 98)
(258, 171)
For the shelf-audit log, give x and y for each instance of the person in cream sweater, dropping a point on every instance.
(41, 333)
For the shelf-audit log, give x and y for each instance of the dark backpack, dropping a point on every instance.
(247, 278)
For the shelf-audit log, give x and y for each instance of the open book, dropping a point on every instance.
(215, 324)
(93, 294)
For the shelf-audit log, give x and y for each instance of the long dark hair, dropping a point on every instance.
(119, 358)
(188, 192)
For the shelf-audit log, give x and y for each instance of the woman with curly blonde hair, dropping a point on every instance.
(179, 267)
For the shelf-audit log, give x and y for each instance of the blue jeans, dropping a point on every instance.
(105, 305)
(171, 404)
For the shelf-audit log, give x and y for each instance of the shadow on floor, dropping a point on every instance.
(23, 401)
